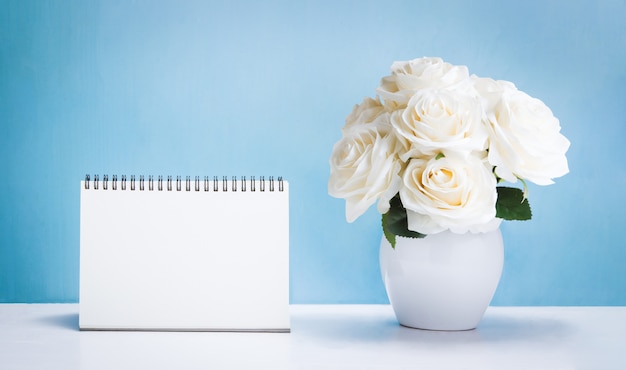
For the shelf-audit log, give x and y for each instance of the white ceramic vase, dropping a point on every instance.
(444, 281)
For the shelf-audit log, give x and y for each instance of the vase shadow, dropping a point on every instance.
(493, 328)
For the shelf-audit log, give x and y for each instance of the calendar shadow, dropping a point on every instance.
(63, 321)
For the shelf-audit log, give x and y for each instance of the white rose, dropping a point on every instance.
(369, 111)
(455, 192)
(490, 91)
(423, 73)
(436, 120)
(364, 168)
(525, 139)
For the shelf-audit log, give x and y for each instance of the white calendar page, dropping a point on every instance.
(186, 258)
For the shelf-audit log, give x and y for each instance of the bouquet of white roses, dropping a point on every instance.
(433, 146)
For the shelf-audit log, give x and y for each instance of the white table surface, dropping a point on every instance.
(46, 336)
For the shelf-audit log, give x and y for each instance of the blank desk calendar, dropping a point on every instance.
(184, 253)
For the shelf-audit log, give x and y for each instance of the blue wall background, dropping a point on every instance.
(244, 88)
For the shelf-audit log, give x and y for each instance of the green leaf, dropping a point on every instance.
(391, 237)
(512, 204)
(395, 222)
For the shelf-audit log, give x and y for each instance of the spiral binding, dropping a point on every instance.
(169, 184)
